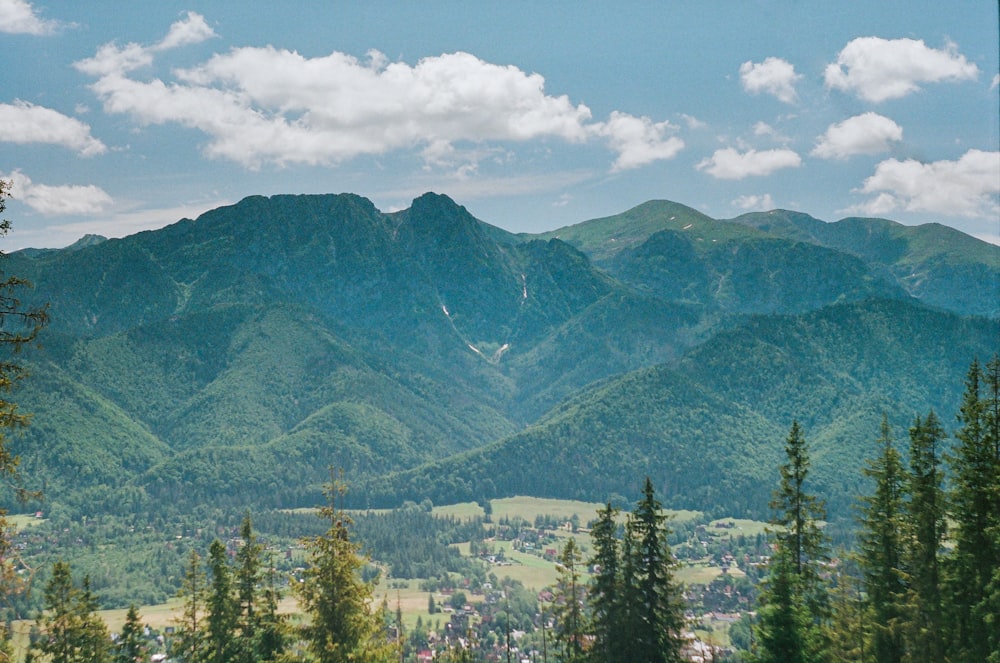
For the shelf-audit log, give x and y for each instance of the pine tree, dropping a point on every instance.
(248, 577)
(568, 610)
(794, 595)
(340, 627)
(604, 595)
(881, 550)
(975, 499)
(131, 646)
(926, 529)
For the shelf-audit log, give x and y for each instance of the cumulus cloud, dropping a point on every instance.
(730, 164)
(58, 200)
(23, 122)
(193, 29)
(19, 17)
(260, 105)
(868, 133)
(754, 203)
(638, 140)
(969, 186)
(877, 69)
(773, 76)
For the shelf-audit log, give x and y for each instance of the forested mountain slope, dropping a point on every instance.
(235, 357)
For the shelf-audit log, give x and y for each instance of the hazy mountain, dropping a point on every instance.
(233, 358)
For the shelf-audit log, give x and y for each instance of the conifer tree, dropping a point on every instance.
(131, 646)
(794, 595)
(975, 500)
(570, 627)
(19, 326)
(189, 645)
(881, 553)
(340, 627)
(658, 608)
(71, 630)
(926, 530)
(604, 595)
(221, 608)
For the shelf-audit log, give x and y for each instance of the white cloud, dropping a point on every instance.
(753, 203)
(62, 200)
(274, 106)
(996, 82)
(19, 17)
(868, 133)
(692, 122)
(23, 122)
(638, 140)
(729, 164)
(878, 69)
(968, 187)
(773, 76)
(192, 30)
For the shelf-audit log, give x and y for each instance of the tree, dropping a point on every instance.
(340, 626)
(881, 553)
(604, 589)
(71, 631)
(261, 629)
(19, 326)
(568, 610)
(221, 607)
(975, 501)
(189, 644)
(926, 530)
(654, 597)
(794, 598)
(131, 645)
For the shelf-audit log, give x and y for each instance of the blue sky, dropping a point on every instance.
(119, 116)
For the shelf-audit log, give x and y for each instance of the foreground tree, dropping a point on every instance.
(604, 588)
(636, 607)
(222, 610)
(189, 643)
(975, 500)
(131, 646)
(19, 326)
(569, 631)
(71, 632)
(926, 530)
(880, 553)
(656, 608)
(340, 626)
(794, 598)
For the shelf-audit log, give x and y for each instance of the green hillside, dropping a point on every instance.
(231, 359)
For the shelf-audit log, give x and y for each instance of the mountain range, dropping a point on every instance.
(233, 359)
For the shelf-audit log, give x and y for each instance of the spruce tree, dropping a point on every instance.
(71, 630)
(794, 595)
(604, 595)
(658, 609)
(189, 645)
(340, 627)
(221, 608)
(975, 501)
(131, 646)
(568, 611)
(881, 553)
(926, 530)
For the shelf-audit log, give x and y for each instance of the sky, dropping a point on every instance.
(117, 117)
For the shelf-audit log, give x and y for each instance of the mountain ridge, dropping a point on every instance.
(282, 332)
